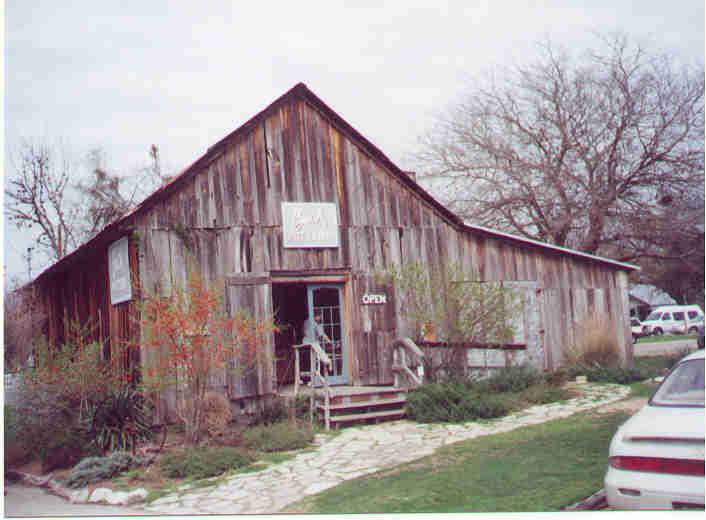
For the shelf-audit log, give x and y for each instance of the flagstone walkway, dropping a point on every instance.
(354, 452)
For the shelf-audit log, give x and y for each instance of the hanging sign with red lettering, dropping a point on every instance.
(310, 224)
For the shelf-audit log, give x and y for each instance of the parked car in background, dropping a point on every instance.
(656, 459)
(635, 329)
(673, 319)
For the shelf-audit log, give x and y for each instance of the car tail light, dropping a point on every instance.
(659, 465)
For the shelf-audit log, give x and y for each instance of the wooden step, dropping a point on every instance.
(361, 404)
(388, 414)
(368, 396)
(364, 404)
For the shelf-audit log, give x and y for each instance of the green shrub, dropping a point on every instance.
(466, 399)
(544, 393)
(64, 448)
(271, 413)
(456, 400)
(198, 463)
(282, 436)
(280, 410)
(509, 379)
(15, 451)
(489, 406)
(302, 407)
(94, 469)
(56, 439)
(607, 374)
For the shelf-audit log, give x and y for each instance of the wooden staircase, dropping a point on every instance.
(360, 405)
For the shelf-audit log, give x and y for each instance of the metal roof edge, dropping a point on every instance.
(544, 245)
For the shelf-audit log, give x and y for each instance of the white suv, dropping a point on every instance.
(673, 319)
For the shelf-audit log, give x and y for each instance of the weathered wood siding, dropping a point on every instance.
(223, 218)
(226, 219)
(81, 295)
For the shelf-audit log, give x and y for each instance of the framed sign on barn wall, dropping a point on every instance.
(119, 272)
(310, 224)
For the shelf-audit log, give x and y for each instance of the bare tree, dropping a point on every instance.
(43, 194)
(38, 197)
(23, 324)
(106, 202)
(579, 153)
(111, 195)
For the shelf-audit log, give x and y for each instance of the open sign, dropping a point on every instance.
(374, 299)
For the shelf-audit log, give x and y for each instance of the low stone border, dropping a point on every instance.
(80, 496)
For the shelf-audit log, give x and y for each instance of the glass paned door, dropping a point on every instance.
(326, 303)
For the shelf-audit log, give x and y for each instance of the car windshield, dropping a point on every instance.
(684, 386)
(654, 316)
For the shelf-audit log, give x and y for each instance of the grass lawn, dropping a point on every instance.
(537, 468)
(655, 365)
(665, 338)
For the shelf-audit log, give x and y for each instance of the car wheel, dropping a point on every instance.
(658, 332)
(693, 330)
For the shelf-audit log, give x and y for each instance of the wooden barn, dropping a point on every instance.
(295, 211)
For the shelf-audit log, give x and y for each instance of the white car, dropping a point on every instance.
(656, 459)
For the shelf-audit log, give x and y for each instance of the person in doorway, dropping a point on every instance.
(314, 333)
(313, 330)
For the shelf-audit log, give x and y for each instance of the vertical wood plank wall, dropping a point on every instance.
(224, 219)
(231, 223)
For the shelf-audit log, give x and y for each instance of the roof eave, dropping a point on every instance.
(544, 245)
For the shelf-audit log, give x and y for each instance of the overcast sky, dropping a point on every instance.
(183, 74)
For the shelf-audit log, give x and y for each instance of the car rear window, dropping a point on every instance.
(684, 386)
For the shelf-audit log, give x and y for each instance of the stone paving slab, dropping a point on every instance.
(358, 451)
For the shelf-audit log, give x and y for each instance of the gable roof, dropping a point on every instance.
(300, 91)
(651, 295)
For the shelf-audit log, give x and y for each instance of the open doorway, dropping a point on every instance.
(293, 303)
(289, 302)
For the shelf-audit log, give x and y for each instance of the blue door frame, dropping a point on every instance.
(326, 300)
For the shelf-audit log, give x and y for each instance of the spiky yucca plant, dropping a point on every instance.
(119, 421)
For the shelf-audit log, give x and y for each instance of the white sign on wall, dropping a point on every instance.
(374, 299)
(119, 271)
(310, 224)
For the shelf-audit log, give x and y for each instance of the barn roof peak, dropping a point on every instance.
(115, 229)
